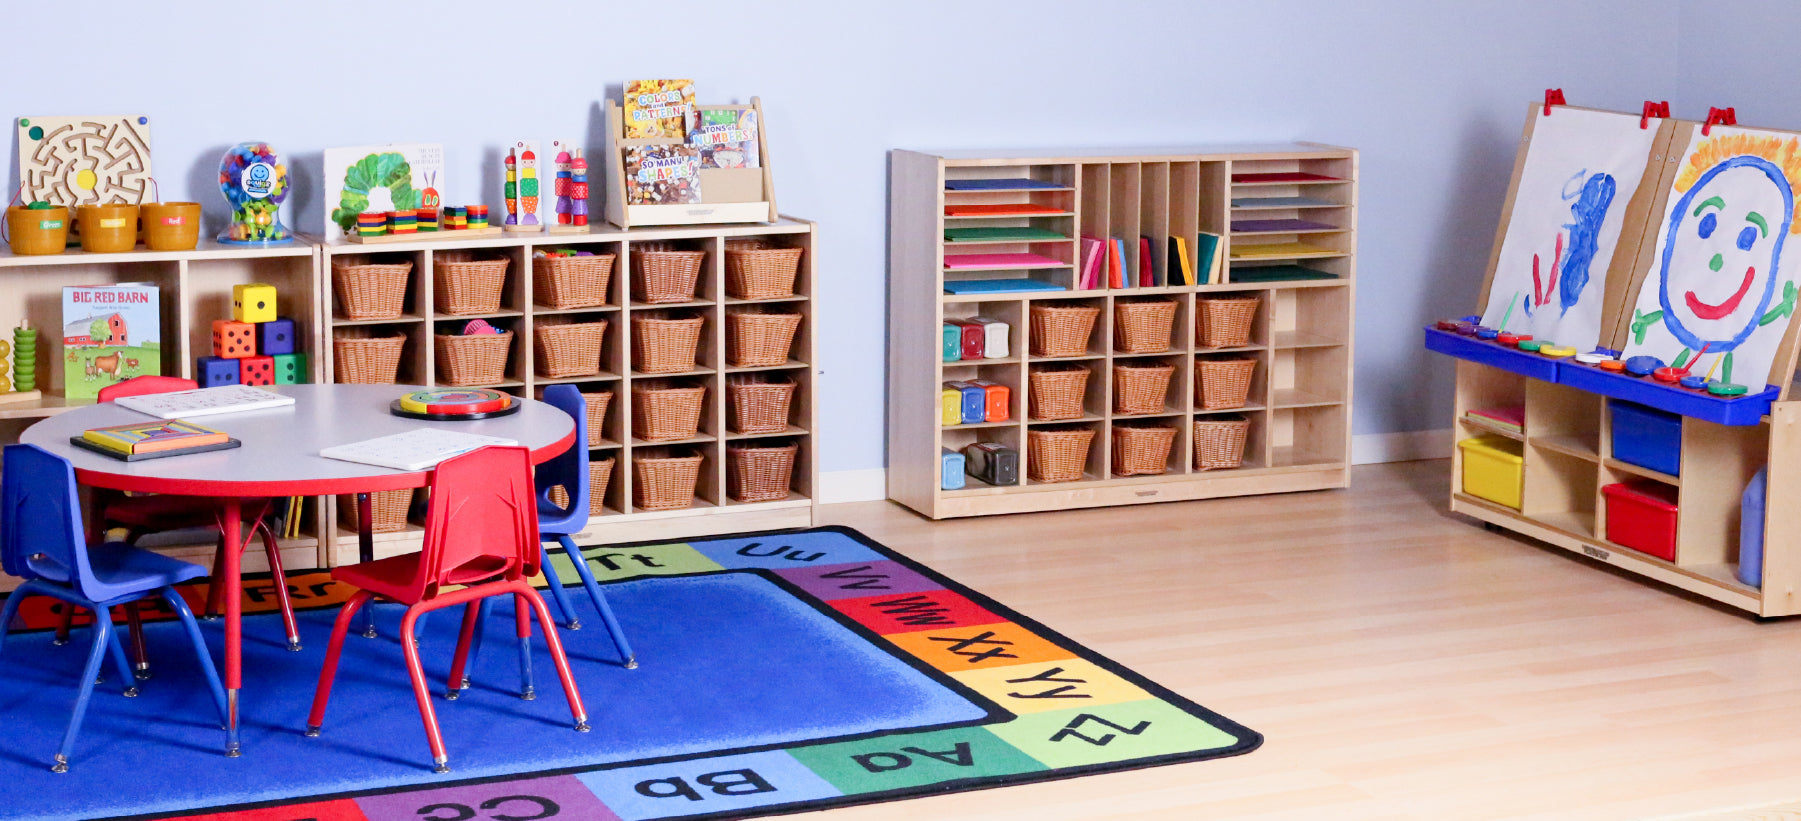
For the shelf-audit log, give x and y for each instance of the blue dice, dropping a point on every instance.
(213, 371)
(275, 337)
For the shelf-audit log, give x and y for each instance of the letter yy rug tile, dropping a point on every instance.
(777, 672)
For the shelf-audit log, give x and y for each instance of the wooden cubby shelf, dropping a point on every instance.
(1298, 409)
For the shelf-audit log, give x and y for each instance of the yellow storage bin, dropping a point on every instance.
(1493, 469)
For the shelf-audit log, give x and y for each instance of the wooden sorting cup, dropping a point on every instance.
(108, 229)
(33, 232)
(171, 226)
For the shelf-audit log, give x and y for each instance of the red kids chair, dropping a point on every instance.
(141, 515)
(490, 551)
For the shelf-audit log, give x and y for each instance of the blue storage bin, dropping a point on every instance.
(1750, 529)
(1647, 437)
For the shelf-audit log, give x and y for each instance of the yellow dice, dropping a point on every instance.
(254, 302)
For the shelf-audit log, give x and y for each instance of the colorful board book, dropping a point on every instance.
(727, 138)
(658, 109)
(151, 437)
(662, 174)
(1000, 209)
(999, 261)
(110, 334)
(204, 401)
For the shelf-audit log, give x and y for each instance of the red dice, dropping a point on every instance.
(257, 370)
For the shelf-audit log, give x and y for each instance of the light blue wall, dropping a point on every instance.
(1725, 63)
(1432, 92)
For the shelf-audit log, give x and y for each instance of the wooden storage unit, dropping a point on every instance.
(1299, 402)
(194, 288)
(1569, 457)
(522, 313)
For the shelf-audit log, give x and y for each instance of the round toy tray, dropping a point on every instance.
(452, 404)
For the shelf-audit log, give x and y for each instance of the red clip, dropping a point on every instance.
(1659, 110)
(1718, 116)
(1553, 96)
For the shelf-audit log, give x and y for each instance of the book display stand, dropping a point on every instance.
(726, 194)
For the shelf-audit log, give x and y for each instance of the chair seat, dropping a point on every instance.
(123, 570)
(395, 577)
(167, 512)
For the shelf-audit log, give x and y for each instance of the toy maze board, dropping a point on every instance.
(1030, 705)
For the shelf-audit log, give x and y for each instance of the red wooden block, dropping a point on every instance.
(257, 370)
(233, 339)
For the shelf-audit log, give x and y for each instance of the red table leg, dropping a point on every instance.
(231, 531)
(365, 551)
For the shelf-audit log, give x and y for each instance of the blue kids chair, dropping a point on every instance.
(41, 541)
(556, 524)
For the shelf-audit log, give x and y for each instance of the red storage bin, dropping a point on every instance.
(1642, 516)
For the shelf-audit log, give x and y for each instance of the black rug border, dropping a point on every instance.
(1247, 740)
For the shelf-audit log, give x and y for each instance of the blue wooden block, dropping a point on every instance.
(275, 337)
(290, 368)
(213, 371)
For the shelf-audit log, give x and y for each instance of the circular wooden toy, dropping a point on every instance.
(1718, 388)
(1643, 365)
(1556, 351)
(451, 404)
(1613, 366)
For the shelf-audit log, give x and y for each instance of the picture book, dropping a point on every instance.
(149, 437)
(659, 109)
(395, 177)
(110, 334)
(415, 449)
(204, 401)
(662, 175)
(727, 138)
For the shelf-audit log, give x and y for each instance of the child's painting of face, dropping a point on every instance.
(1720, 255)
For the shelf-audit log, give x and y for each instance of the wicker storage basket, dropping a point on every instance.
(665, 482)
(1141, 449)
(756, 337)
(1057, 454)
(473, 359)
(1057, 391)
(665, 344)
(1223, 383)
(661, 412)
(463, 283)
(568, 349)
(756, 270)
(387, 510)
(1224, 322)
(1219, 442)
(1062, 330)
(597, 403)
(759, 472)
(1140, 388)
(757, 403)
(369, 290)
(571, 282)
(1143, 327)
(662, 273)
(600, 471)
(366, 360)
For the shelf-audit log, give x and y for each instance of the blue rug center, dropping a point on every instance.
(730, 660)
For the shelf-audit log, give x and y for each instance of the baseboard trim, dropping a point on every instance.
(1373, 448)
(871, 485)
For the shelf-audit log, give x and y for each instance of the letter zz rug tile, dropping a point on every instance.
(778, 672)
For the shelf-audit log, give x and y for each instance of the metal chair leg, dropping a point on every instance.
(280, 579)
(121, 665)
(103, 636)
(140, 656)
(557, 593)
(329, 670)
(422, 694)
(557, 657)
(626, 656)
(205, 656)
(522, 621)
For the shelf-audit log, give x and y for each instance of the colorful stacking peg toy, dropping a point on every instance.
(477, 216)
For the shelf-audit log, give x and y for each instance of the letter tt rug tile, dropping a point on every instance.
(778, 672)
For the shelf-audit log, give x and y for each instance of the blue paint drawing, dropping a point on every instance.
(1589, 211)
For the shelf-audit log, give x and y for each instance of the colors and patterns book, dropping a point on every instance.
(662, 175)
(659, 109)
(727, 139)
(110, 334)
(154, 436)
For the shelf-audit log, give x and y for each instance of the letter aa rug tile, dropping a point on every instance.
(778, 672)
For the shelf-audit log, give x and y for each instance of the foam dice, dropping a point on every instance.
(254, 302)
(256, 370)
(233, 339)
(290, 368)
(213, 371)
(275, 337)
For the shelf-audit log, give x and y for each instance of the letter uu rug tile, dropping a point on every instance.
(777, 672)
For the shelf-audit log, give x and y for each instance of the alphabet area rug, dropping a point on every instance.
(778, 672)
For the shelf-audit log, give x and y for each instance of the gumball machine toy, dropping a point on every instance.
(255, 181)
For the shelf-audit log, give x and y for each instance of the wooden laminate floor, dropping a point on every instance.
(1402, 662)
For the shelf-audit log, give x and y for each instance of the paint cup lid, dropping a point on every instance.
(1643, 365)
(1556, 351)
(1718, 388)
(1447, 325)
(1590, 358)
(1612, 365)
(1666, 374)
(1530, 345)
(1695, 382)
(1486, 333)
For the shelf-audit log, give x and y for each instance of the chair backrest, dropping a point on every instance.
(146, 384)
(481, 521)
(40, 518)
(569, 468)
